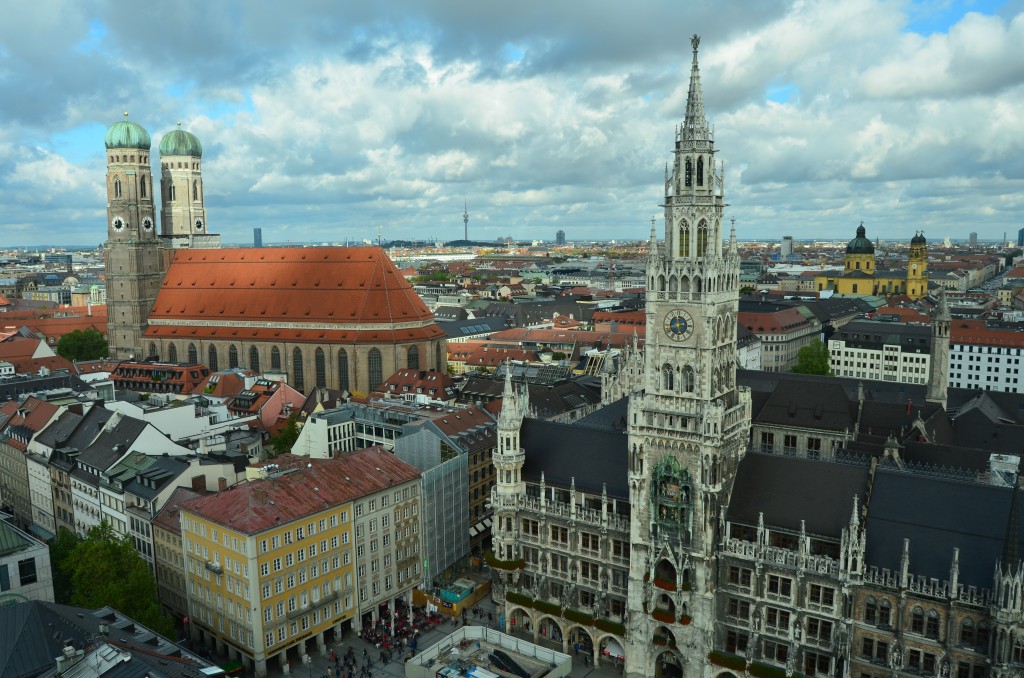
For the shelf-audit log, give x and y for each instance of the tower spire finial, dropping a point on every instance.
(695, 126)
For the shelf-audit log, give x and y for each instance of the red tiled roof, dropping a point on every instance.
(779, 321)
(424, 382)
(32, 414)
(906, 315)
(976, 332)
(349, 286)
(314, 485)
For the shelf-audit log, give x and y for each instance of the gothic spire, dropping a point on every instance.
(1011, 545)
(695, 127)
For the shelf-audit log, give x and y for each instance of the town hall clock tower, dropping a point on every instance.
(689, 426)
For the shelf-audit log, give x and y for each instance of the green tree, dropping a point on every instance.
(105, 569)
(813, 359)
(61, 549)
(82, 345)
(283, 441)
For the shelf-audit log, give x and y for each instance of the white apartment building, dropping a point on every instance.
(882, 351)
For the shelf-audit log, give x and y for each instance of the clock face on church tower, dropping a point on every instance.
(678, 325)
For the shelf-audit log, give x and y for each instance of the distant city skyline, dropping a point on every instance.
(321, 127)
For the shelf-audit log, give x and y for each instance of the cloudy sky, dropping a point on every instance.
(321, 120)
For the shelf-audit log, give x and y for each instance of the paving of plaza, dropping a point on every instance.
(318, 668)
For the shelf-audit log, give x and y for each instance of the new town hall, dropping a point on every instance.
(712, 523)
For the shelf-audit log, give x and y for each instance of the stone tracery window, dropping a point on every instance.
(254, 359)
(193, 354)
(343, 369)
(320, 363)
(275, 358)
(376, 368)
(297, 375)
(212, 355)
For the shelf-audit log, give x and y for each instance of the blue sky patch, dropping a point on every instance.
(782, 94)
(938, 16)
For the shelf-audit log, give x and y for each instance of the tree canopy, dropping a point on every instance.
(813, 359)
(283, 441)
(82, 345)
(105, 569)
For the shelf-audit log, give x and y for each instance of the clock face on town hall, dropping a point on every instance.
(678, 325)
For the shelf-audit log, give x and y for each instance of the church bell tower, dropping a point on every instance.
(134, 263)
(688, 428)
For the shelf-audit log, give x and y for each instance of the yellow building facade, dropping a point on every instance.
(861, 274)
(270, 563)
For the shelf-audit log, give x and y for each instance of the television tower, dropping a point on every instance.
(465, 220)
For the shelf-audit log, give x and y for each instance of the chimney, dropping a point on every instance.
(222, 484)
(199, 483)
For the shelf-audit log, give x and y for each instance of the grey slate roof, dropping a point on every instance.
(35, 633)
(594, 457)
(611, 417)
(112, 443)
(937, 515)
(86, 428)
(792, 489)
(819, 405)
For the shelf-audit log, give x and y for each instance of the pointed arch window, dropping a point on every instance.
(142, 186)
(376, 368)
(320, 363)
(195, 190)
(702, 238)
(413, 358)
(684, 239)
(297, 375)
(275, 358)
(193, 355)
(232, 357)
(688, 379)
(343, 369)
(440, 357)
(171, 192)
(152, 350)
(117, 188)
(212, 355)
(254, 359)
(667, 380)
(700, 171)
(172, 353)
(688, 176)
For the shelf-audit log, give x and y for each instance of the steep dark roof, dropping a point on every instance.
(112, 443)
(594, 457)
(71, 430)
(937, 515)
(818, 405)
(792, 489)
(611, 417)
(882, 391)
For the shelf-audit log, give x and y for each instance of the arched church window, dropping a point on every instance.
(275, 358)
(688, 379)
(376, 368)
(172, 353)
(413, 357)
(254, 359)
(700, 171)
(343, 369)
(297, 375)
(195, 190)
(320, 363)
(688, 176)
(193, 354)
(171, 192)
(232, 357)
(440, 358)
(117, 188)
(142, 186)
(152, 350)
(212, 355)
(702, 238)
(667, 380)
(684, 239)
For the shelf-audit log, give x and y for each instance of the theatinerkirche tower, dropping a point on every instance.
(688, 428)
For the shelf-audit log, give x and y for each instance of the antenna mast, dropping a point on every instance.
(465, 220)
